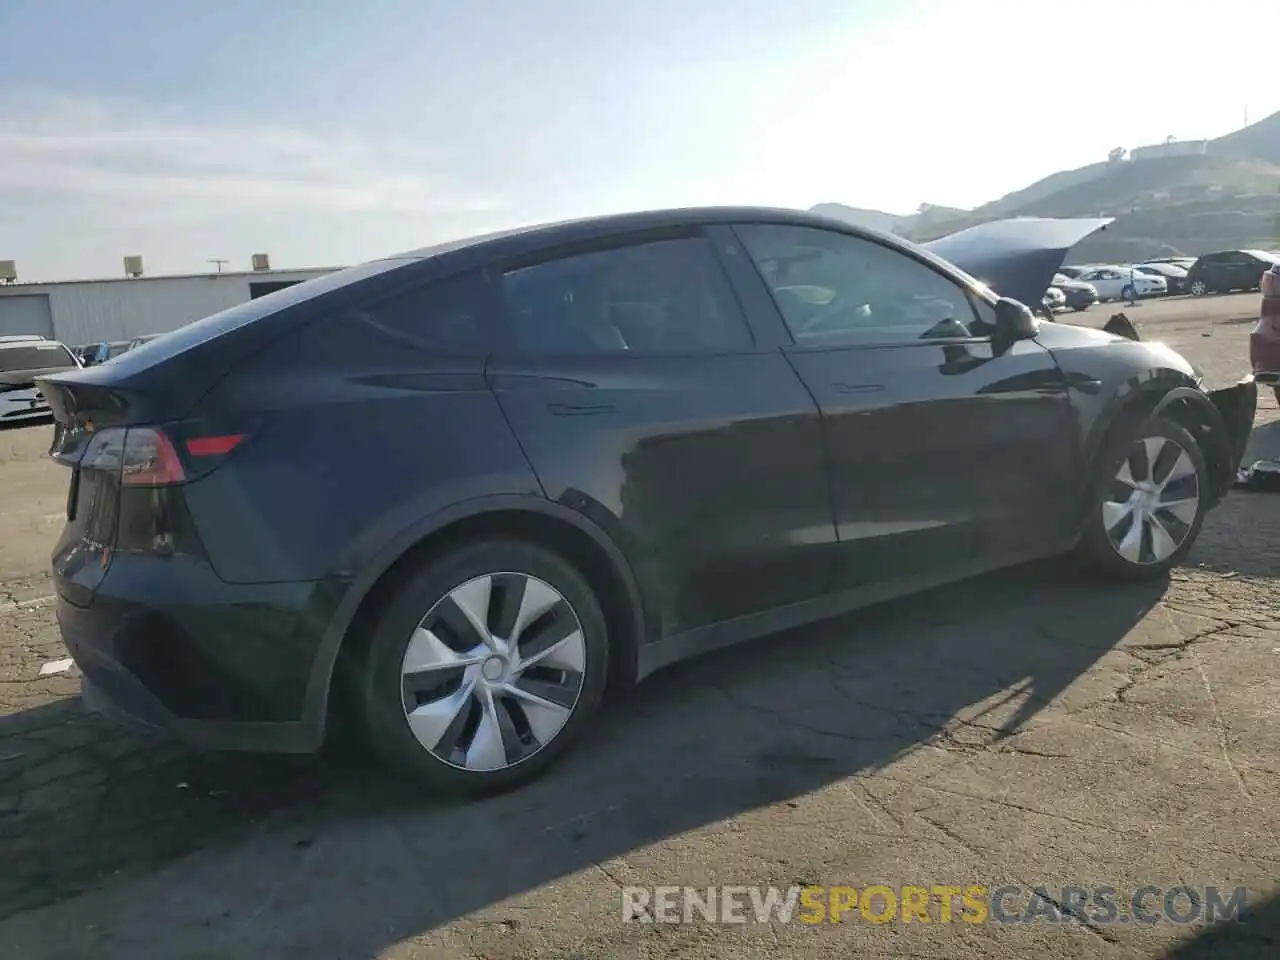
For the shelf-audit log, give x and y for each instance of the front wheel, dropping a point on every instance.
(485, 666)
(1199, 288)
(1147, 503)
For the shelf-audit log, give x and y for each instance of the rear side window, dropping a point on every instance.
(662, 297)
(447, 316)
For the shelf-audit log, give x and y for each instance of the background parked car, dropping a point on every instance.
(1174, 275)
(1073, 272)
(1228, 270)
(1053, 301)
(1077, 294)
(1123, 283)
(22, 359)
(136, 342)
(1264, 341)
(1184, 262)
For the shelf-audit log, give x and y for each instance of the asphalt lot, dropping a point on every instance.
(1024, 728)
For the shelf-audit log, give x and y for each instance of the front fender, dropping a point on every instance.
(1237, 406)
(1221, 421)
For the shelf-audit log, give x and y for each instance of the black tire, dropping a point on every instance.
(418, 593)
(1199, 288)
(1277, 393)
(1129, 294)
(1095, 549)
(1081, 307)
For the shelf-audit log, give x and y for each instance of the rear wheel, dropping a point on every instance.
(1129, 293)
(485, 667)
(1150, 494)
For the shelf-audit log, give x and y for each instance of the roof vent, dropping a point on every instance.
(133, 266)
(261, 262)
(8, 271)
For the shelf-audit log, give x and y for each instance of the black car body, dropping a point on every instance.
(1227, 271)
(675, 404)
(1175, 275)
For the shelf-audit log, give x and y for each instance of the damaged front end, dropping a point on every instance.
(1237, 406)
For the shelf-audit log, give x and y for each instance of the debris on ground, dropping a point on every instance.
(1260, 475)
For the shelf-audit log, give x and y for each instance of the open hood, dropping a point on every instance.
(1016, 258)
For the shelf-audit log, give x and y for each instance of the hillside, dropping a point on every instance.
(1225, 198)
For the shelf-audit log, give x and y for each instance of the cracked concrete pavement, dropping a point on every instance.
(1027, 727)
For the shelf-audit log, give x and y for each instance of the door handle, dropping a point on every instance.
(579, 409)
(848, 388)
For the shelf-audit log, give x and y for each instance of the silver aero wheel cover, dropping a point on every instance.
(1152, 503)
(493, 672)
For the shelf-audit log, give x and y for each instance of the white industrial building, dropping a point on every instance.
(91, 311)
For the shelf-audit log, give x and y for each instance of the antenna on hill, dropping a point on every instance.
(220, 263)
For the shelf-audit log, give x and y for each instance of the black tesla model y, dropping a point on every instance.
(481, 484)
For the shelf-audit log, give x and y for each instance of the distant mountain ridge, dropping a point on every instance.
(1226, 197)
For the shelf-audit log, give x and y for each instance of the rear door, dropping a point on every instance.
(644, 399)
(946, 450)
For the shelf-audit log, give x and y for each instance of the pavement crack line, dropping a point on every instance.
(1220, 728)
(1062, 911)
(614, 880)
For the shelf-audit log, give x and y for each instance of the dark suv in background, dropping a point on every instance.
(1228, 271)
(453, 495)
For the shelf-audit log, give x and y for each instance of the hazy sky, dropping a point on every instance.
(328, 133)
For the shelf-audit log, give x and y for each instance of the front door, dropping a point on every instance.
(945, 452)
(638, 391)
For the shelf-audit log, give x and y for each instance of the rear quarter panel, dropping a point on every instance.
(359, 437)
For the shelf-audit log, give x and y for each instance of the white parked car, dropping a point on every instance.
(22, 359)
(1123, 283)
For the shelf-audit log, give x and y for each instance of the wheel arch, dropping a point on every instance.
(1184, 404)
(575, 537)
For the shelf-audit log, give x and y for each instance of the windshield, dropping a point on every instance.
(37, 356)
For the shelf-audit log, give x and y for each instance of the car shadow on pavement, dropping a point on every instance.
(1252, 937)
(337, 848)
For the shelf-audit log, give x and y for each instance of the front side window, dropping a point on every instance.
(833, 288)
(663, 297)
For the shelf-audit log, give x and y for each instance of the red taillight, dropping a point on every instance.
(150, 460)
(213, 446)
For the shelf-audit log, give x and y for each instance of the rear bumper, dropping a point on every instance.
(226, 672)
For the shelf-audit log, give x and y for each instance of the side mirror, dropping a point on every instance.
(1014, 320)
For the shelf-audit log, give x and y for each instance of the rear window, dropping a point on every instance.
(37, 356)
(201, 331)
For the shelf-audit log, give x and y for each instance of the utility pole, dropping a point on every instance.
(220, 263)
